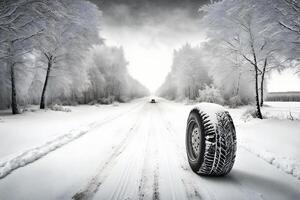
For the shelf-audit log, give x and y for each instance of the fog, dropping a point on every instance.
(149, 31)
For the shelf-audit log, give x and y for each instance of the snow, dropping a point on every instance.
(210, 109)
(34, 154)
(17, 160)
(282, 110)
(286, 164)
(137, 151)
(275, 139)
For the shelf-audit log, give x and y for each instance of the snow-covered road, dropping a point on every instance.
(141, 155)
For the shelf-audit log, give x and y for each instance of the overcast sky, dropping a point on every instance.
(149, 31)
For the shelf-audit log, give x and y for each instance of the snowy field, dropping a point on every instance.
(137, 151)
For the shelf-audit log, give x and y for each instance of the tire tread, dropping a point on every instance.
(220, 145)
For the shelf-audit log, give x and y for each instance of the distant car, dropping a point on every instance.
(152, 101)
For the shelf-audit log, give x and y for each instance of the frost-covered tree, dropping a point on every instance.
(287, 14)
(67, 36)
(109, 77)
(168, 89)
(289, 11)
(246, 32)
(188, 72)
(227, 71)
(18, 29)
(47, 53)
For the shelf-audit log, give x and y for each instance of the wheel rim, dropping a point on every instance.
(194, 139)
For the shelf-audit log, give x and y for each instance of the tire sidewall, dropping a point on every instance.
(197, 162)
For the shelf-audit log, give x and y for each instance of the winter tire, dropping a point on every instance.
(210, 140)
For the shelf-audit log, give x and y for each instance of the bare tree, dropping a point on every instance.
(247, 29)
(68, 35)
(17, 30)
(46, 46)
(258, 54)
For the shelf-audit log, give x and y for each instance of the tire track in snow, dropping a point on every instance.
(156, 175)
(156, 184)
(169, 181)
(135, 173)
(146, 171)
(192, 192)
(148, 187)
(97, 180)
(135, 168)
(31, 155)
(134, 181)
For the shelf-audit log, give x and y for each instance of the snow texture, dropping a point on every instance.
(28, 156)
(286, 164)
(211, 110)
(140, 154)
(31, 155)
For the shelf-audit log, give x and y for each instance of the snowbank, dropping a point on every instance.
(286, 164)
(274, 139)
(20, 158)
(31, 155)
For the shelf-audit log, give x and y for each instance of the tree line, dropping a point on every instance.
(52, 51)
(245, 41)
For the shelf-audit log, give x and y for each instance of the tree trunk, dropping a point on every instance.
(238, 83)
(14, 104)
(43, 100)
(262, 83)
(258, 111)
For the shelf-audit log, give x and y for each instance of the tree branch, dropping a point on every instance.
(289, 28)
(27, 37)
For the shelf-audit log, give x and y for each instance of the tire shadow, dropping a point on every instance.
(260, 184)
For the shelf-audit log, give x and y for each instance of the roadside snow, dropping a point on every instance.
(275, 139)
(282, 110)
(31, 155)
(287, 164)
(16, 160)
